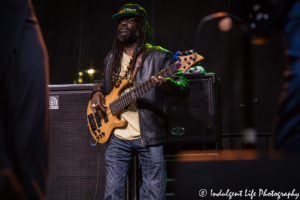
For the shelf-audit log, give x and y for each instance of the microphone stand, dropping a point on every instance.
(248, 132)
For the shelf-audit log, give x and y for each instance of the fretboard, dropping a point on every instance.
(129, 97)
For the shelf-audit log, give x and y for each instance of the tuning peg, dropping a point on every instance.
(178, 53)
(175, 57)
(192, 51)
(189, 52)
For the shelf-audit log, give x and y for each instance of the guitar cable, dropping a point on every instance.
(94, 145)
(97, 171)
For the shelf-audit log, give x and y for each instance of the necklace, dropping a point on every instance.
(117, 81)
(116, 74)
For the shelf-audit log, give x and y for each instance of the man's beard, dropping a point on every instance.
(129, 37)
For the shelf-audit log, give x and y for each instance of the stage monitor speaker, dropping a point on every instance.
(196, 118)
(73, 160)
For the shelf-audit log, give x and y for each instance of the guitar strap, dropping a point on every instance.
(137, 65)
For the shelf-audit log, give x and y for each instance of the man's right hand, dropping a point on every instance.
(99, 100)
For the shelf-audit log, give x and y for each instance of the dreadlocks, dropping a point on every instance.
(142, 40)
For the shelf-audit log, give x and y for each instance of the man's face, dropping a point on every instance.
(129, 29)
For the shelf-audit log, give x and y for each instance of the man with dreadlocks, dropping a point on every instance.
(147, 122)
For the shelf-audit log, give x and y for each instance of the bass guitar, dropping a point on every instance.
(102, 123)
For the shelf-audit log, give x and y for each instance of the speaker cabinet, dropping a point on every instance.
(196, 118)
(73, 160)
(194, 123)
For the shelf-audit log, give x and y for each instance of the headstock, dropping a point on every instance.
(187, 59)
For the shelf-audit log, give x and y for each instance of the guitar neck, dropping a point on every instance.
(126, 99)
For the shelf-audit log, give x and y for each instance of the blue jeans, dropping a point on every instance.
(288, 127)
(117, 157)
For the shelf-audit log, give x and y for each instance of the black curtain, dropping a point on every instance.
(79, 33)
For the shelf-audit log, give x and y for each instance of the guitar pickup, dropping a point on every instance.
(105, 117)
(97, 117)
(92, 122)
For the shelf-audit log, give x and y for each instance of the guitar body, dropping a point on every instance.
(102, 131)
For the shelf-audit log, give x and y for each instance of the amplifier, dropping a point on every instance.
(73, 158)
(196, 118)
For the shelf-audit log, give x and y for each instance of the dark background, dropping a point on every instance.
(79, 33)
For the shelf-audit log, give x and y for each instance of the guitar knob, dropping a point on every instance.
(189, 63)
(103, 134)
(185, 59)
(99, 136)
(184, 67)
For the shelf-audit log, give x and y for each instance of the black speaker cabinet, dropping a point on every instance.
(73, 160)
(196, 118)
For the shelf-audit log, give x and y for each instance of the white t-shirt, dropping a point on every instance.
(131, 115)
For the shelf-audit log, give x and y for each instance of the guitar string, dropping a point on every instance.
(126, 99)
(127, 96)
(139, 90)
(140, 87)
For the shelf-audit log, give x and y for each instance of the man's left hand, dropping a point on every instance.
(162, 83)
